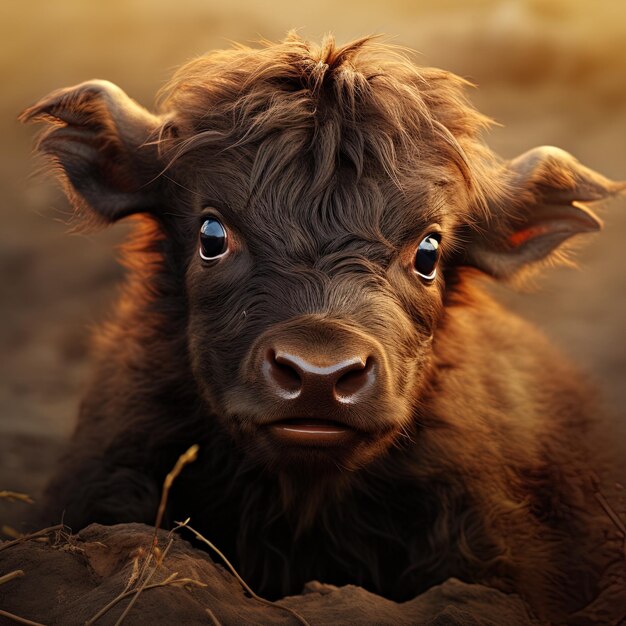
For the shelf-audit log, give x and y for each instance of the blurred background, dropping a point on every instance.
(549, 71)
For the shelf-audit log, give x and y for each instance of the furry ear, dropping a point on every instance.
(543, 206)
(99, 139)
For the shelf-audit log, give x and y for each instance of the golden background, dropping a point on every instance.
(551, 72)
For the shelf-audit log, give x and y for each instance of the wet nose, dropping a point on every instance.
(291, 375)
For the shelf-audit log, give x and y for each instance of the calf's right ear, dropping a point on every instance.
(101, 141)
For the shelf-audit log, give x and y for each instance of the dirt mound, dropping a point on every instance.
(70, 579)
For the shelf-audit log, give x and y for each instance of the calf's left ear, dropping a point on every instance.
(100, 139)
(543, 205)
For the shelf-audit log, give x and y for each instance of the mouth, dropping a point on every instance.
(312, 432)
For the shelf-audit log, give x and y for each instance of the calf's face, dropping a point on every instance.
(311, 317)
(317, 204)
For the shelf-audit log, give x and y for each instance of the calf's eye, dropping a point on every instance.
(213, 239)
(427, 256)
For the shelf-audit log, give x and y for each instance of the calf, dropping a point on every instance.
(304, 302)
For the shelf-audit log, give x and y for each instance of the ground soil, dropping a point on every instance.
(68, 580)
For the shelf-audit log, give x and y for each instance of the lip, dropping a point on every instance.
(312, 432)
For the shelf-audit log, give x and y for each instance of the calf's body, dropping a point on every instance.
(304, 302)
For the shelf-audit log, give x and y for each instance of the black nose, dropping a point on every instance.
(345, 380)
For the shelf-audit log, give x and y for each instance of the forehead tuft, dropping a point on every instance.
(364, 107)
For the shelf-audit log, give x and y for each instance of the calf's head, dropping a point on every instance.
(316, 206)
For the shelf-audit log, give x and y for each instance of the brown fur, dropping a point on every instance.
(330, 164)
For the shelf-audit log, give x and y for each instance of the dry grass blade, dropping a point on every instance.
(129, 592)
(184, 459)
(230, 566)
(39, 533)
(138, 574)
(213, 618)
(16, 496)
(144, 585)
(18, 573)
(18, 619)
(134, 574)
(171, 580)
(242, 582)
(181, 582)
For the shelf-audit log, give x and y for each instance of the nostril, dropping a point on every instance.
(357, 378)
(289, 375)
(284, 376)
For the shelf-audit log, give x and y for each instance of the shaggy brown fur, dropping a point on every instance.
(329, 165)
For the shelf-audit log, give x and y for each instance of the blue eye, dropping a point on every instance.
(427, 256)
(213, 239)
